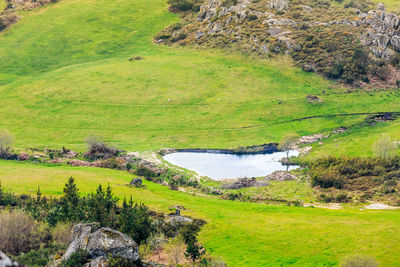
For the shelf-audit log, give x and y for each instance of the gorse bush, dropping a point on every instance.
(362, 174)
(184, 5)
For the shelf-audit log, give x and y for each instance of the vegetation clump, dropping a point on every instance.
(344, 179)
(98, 149)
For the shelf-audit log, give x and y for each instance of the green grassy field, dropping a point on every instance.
(243, 234)
(71, 78)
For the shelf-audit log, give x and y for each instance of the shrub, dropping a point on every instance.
(327, 179)
(228, 3)
(176, 251)
(39, 257)
(119, 262)
(62, 233)
(17, 232)
(77, 259)
(98, 149)
(180, 5)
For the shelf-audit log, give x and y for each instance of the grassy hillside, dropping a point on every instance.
(65, 74)
(244, 234)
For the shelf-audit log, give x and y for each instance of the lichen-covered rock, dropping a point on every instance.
(278, 4)
(178, 221)
(100, 243)
(106, 241)
(81, 236)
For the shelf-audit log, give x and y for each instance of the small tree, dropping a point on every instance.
(287, 143)
(189, 234)
(135, 221)
(69, 202)
(6, 142)
(384, 147)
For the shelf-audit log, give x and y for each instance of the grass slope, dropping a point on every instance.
(244, 234)
(65, 74)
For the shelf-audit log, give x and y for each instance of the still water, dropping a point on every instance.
(220, 166)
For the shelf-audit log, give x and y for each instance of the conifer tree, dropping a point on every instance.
(135, 221)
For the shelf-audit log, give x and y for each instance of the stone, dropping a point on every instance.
(376, 51)
(391, 20)
(382, 40)
(380, 6)
(274, 31)
(309, 139)
(306, 8)
(280, 176)
(107, 241)
(5, 261)
(313, 99)
(136, 182)
(388, 54)
(218, 26)
(178, 221)
(278, 4)
(264, 48)
(81, 236)
(395, 42)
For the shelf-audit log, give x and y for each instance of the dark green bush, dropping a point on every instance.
(77, 259)
(180, 5)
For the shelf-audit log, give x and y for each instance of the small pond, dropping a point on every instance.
(221, 166)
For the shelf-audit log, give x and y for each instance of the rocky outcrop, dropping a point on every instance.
(100, 243)
(243, 183)
(382, 35)
(280, 176)
(6, 261)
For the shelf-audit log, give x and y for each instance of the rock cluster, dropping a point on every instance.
(216, 18)
(100, 243)
(244, 182)
(383, 33)
(280, 176)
